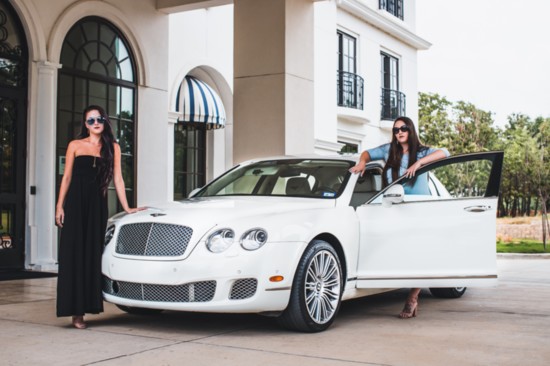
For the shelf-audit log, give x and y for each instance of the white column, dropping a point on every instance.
(42, 229)
(273, 89)
(153, 145)
(172, 120)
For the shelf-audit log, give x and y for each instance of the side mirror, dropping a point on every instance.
(194, 192)
(393, 195)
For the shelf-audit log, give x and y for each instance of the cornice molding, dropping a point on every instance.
(375, 18)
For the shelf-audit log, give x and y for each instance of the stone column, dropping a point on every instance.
(273, 86)
(42, 126)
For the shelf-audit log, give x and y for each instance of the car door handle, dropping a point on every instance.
(477, 208)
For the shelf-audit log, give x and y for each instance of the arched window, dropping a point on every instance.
(13, 136)
(98, 68)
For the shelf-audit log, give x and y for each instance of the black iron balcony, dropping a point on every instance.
(350, 90)
(394, 7)
(393, 104)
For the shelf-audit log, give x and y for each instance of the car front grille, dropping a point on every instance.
(190, 292)
(243, 289)
(153, 239)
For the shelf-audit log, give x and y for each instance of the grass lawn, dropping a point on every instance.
(522, 246)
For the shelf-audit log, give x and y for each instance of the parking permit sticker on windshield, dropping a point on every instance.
(329, 194)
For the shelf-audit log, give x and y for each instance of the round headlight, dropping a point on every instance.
(220, 240)
(254, 239)
(109, 234)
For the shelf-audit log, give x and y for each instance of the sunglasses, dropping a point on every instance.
(403, 128)
(92, 120)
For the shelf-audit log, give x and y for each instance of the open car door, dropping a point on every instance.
(444, 238)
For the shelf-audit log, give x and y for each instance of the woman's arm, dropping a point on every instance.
(433, 156)
(377, 153)
(65, 183)
(363, 160)
(119, 182)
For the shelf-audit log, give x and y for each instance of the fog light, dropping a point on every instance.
(276, 278)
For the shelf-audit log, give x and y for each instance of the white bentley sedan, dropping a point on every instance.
(292, 237)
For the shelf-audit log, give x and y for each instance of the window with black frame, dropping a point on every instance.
(392, 100)
(14, 68)
(394, 7)
(98, 68)
(189, 158)
(349, 84)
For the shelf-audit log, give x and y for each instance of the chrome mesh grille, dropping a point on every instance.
(153, 239)
(243, 289)
(190, 292)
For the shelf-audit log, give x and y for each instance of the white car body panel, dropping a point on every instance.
(395, 253)
(410, 244)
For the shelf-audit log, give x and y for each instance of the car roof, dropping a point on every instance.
(346, 157)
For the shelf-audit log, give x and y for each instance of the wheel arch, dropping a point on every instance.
(335, 243)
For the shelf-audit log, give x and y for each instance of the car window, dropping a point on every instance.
(312, 178)
(367, 186)
(462, 179)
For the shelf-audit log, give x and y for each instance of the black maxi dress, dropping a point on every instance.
(79, 282)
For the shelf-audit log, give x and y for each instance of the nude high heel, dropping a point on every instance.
(78, 322)
(409, 310)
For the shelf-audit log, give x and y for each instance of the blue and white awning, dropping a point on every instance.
(197, 102)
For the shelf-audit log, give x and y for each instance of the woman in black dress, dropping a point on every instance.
(92, 160)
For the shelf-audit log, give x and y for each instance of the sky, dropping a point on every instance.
(492, 53)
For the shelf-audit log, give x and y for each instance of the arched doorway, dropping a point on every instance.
(13, 132)
(98, 68)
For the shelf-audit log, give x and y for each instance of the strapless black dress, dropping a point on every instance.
(79, 281)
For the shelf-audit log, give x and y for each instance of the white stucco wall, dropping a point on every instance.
(363, 127)
(201, 44)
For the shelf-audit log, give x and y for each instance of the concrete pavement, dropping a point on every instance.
(505, 325)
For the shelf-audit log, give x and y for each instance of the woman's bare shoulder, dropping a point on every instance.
(77, 142)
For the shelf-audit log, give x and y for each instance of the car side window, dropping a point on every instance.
(366, 187)
(466, 179)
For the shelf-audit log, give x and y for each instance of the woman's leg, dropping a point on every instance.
(411, 304)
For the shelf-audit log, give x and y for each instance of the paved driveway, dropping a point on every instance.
(506, 325)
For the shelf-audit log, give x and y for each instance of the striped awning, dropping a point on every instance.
(198, 103)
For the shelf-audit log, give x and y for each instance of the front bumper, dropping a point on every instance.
(236, 281)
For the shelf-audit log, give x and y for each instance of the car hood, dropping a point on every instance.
(203, 213)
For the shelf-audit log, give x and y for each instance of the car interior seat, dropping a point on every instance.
(365, 188)
(298, 186)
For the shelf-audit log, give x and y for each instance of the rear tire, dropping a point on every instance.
(139, 311)
(448, 293)
(316, 291)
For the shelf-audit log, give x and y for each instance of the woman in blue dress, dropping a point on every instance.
(92, 160)
(404, 155)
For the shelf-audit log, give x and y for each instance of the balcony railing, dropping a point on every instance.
(393, 104)
(394, 7)
(350, 90)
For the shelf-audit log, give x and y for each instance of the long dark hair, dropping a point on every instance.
(106, 163)
(396, 150)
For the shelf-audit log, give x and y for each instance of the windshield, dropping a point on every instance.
(297, 178)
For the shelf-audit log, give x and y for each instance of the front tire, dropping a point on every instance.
(316, 291)
(448, 293)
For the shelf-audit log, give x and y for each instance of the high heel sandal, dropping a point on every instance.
(78, 322)
(409, 310)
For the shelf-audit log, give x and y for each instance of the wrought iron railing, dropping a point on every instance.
(393, 104)
(394, 7)
(350, 90)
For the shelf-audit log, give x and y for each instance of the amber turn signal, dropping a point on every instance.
(276, 278)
